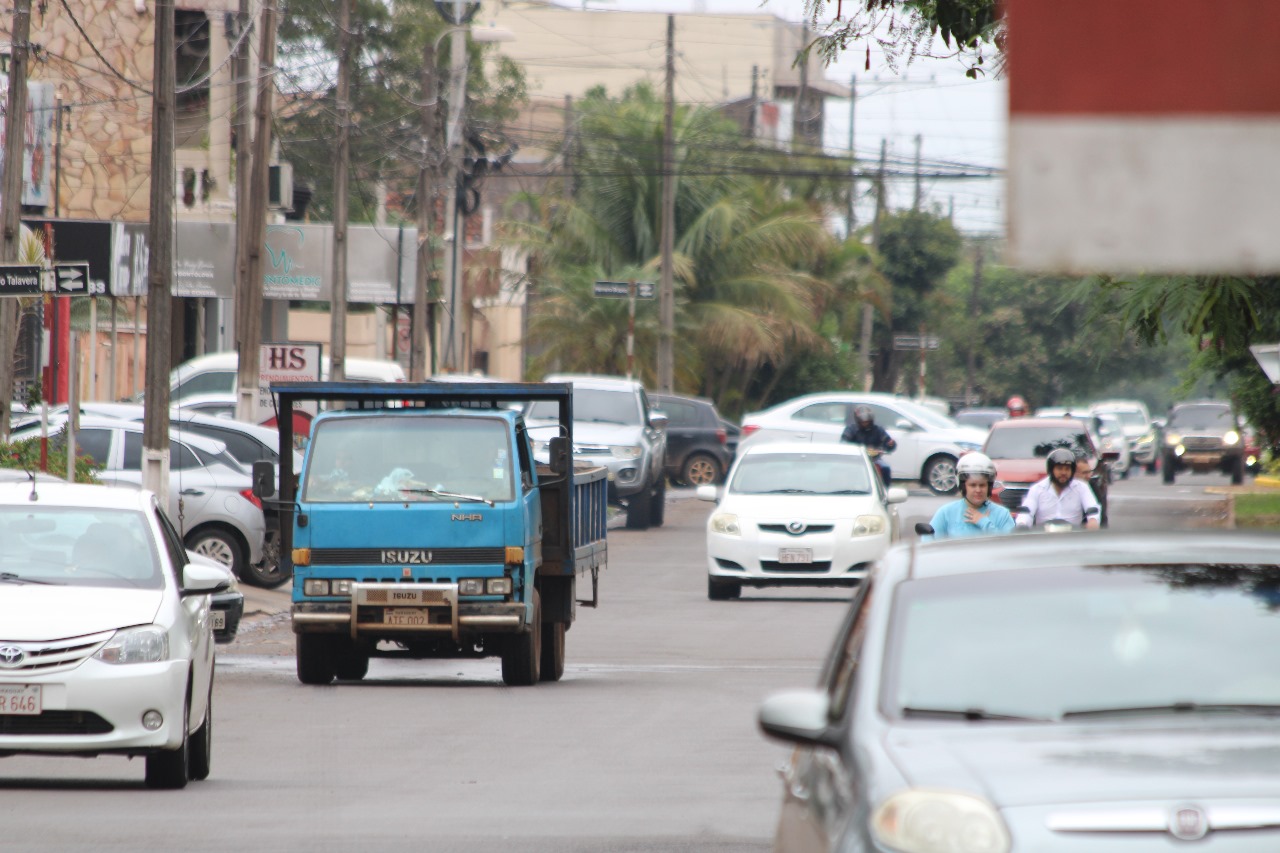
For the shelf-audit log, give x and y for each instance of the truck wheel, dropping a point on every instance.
(268, 574)
(552, 651)
(1237, 471)
(1168, 465)
(700, 470)
(522, 658)
(721, 590)
(658, 505)
(351, 663)
(315, 661)
(638, 506)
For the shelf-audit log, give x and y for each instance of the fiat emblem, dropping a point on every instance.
(795, 527)
(11, 656)
(1188, 823)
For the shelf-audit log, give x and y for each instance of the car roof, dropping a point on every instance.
(1037, 423)
(585, 380)
(948, 557)
(662, 395)
(76, 494)
(826, 448)
(201, 442)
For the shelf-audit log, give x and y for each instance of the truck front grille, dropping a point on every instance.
(429, 556)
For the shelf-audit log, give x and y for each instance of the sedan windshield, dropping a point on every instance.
(1045, 643)
(1036, 442)
(1200, 417)
(593, 405)
(801, 473)
(73, 546)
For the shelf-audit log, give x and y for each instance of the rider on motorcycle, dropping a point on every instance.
(863, 430)
(975, 514)
(1059, 496)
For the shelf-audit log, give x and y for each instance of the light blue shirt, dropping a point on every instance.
(948, 522)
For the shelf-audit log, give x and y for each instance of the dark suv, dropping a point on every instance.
(1203, 436)
(697, 442)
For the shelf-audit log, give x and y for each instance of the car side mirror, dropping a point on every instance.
(924, 528)
(904, 425)
(708, 492)
(658, 420)
(264, 479)
(558, 450)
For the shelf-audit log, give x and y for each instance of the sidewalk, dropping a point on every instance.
(261, 605)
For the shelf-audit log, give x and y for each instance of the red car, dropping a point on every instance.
(1019, 447)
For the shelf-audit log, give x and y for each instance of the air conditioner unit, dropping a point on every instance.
(280, 187)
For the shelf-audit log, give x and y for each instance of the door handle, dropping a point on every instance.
(192, 492)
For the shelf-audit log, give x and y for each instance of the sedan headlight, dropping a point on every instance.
(924, 821)
(968, 445)
(726, 523)
(1231, 438)
(868, 525)
(625, 451)
(144, 644)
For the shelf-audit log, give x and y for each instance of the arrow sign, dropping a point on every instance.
(71, 278)
(621, 289)
(19, 280)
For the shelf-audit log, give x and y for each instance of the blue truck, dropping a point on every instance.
(421, 526)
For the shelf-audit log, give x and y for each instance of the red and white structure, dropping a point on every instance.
(1144, 135)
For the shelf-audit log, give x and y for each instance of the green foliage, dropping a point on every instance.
(26, 455)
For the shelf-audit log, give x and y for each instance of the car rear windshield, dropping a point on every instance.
(801, 473)
(76, 546)
(1046, 642)
(1201, 417)
(1032, 442)
(593, 405)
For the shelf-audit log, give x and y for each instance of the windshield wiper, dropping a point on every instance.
(968, 714)
(1176, 708)
(10, 577)
(847, 492)
(439, 494)
(602, 421)
(787, 492)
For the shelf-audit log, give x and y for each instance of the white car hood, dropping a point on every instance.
(46, 612)
(783, 507)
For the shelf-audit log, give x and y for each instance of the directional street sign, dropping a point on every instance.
(621, 289)
(19, 280)
(71, 278)
(915, 341)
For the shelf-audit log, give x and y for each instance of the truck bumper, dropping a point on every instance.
(395, 610)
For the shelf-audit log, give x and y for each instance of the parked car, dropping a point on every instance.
(798, 514)
(979, 418)
(211, 497)
(1135, 419)
(1202, 436)
(614, 425)
(106, 639)
(697, 445)
(928, 443)
(218, 372)
(1046, 692)
(1019, 447)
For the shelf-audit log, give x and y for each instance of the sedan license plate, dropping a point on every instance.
(407, 617)
(21, 699)
(795, 555)
(219, 619)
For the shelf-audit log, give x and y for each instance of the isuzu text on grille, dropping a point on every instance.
(417, 556)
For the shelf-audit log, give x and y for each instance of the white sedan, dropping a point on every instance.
(106, 630)
(796, 513)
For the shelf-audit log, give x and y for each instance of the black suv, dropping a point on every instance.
(697, 442)
(1203, 436)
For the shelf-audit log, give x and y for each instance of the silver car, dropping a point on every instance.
(1045, 692)
(211, 499)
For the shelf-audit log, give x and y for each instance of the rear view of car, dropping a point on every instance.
(697, 442)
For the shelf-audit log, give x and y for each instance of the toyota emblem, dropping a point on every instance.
(1188, 823)
(795, 527)
(11, 656)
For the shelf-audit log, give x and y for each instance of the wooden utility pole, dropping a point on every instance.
(423, 328)
(342, 162)
(975, 335)
(244, 163)
(160, 237)
(753, 116)
(11, 199)
(667, 291)
(850, 217)
(249, 310)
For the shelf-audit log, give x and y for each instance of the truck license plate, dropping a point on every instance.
(21, 699)
(219, 620)
(406, 617)
(795, 555)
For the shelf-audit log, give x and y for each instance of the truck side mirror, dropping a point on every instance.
(558, 448)
(264, 479)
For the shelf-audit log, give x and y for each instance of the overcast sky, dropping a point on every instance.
(959, 120)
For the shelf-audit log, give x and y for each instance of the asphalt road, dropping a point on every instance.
(648, 744)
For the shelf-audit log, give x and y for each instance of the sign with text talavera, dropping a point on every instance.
(20, 280)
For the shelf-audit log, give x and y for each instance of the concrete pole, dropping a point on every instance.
(11, 199)
(454, 360)
(666, 292)
(422, 331)
(342, 163)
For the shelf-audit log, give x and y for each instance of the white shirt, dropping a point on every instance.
(1044, 503)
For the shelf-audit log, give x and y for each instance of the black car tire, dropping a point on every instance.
(314, 656)
(221, 545)
(552, 651)
(700, 469)
(940, 472)
(201, 759)
(268, 574)
(658, 507)
(351, 662)
(722, 590)
(522, 657)
(1169, 466)
(170, 768)
(1237, 471)
(638, 507)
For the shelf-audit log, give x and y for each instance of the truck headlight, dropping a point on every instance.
(326, 586)
(868, 525)
(471, 586)
(726, 523)
(625, 451)
(144, 644)
(925, 821)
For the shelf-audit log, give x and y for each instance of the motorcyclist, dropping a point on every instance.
(1017, 407)
(1060, 495)
(975, 514)
(864, 430)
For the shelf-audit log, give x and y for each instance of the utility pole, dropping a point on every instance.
(799, 116)
(570, 143)
(867, 317)
(11, 198)
(342, 162)
(753, 115)
(244, 163)
(423, 329)
(453, 360)
(155, 419)
(971, 358)
(915, 203)
(667, 290)
(249, 310)
(850, 219)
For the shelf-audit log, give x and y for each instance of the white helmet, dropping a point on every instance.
(975, 463)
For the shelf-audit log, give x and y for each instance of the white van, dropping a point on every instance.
(216, 373)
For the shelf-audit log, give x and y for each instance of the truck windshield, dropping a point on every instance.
(393, 458)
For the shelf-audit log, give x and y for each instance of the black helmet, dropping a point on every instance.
(1059, 456)
(863, 415)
